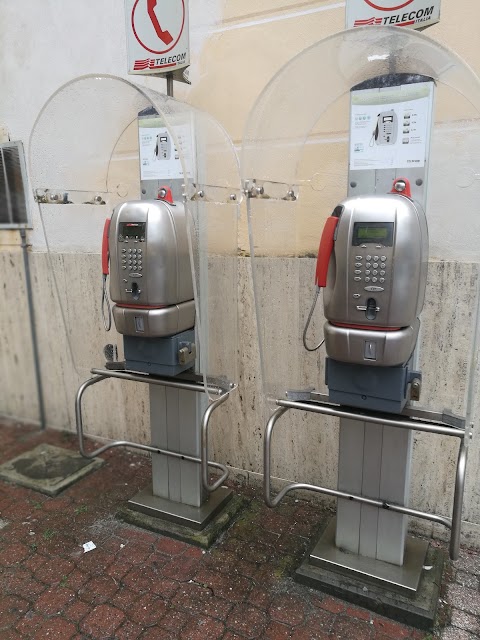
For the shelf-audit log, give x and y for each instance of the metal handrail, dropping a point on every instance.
(454, 524)
(103, 374)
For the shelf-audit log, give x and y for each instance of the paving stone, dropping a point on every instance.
(128, 631)
(156, 633)
(466, 621)
(98, 590)
(102, 621)
(194, 598)
(203, 628)
(147, 610)
(277, 631)
(452, 633)
(54, 601)
(349, 628)
(465, 579)
(56, 629)
(306, 633)
(247, 620)
(54, 572)
(390, 628)
(181, 568)
(464, 599)
(174, 620)
(76, 611)
(288, 609)
(334, 605)
(12, 608)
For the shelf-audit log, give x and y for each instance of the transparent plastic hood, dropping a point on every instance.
(295, 167)
(84, 160)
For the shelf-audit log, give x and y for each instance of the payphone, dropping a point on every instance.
(145, 248)
(372, 264)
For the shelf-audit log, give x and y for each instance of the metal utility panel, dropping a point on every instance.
(14, 212)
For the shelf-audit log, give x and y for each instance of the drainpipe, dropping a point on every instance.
(33, 330)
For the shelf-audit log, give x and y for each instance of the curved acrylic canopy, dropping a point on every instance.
(85, 159)
(295, 164)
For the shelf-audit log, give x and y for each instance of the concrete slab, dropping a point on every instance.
(204, 538)
(48, 469)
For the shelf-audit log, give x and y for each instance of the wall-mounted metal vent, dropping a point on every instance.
(13, 180)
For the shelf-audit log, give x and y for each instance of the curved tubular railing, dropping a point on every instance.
(101, 374)
(454, 523)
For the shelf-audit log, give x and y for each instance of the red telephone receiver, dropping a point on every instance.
(105, 247)
(106, 315)
(325, 250)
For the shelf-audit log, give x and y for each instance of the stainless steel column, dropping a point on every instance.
(375, 462)
(175, 426)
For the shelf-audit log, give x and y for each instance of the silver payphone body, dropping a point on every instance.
(151, 284)
(373, 264)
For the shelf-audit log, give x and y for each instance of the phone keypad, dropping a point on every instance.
(374, 270)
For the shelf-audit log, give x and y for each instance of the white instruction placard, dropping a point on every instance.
(390, 127)
(159, 158)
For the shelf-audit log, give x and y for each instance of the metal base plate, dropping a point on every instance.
(417, 608)
(194, 517)
(404, 579)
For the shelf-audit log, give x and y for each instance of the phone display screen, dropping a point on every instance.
(134, 230)
(373, 232)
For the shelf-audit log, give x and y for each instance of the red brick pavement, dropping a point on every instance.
(137, 584)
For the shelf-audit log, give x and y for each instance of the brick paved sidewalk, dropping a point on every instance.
(141, 585)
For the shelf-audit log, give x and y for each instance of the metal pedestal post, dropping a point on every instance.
(177, 493)
(375, 462)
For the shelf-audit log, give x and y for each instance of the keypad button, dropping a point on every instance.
(382, 273)
(129, 251)
(382, 265)
(368, 265)
(375, 265)
(130, 268)
(359, 264)
(378, 246)
(357, 279)
(124, 262)
(375, 273)
(356, 295)
(374, 279)
(382, 280)
(124, 267)
(358, 271)
(358, 257)
(376, 258)
(139, 251)
(367, 279)
(124, 251)
(369, 257)
(140, 267)
(383, 258)
(367, 272)
(134, 251)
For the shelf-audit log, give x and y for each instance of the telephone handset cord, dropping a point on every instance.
(106, 317)
(309, 319)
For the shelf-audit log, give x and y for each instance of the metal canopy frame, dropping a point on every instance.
(412, 419)
(164, 381)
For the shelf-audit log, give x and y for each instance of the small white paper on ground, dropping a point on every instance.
(89, 546)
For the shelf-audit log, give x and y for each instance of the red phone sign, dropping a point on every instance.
(387, 6)
(158, 24)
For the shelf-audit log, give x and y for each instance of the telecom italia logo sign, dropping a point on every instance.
(416, 14)
(157, 35)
